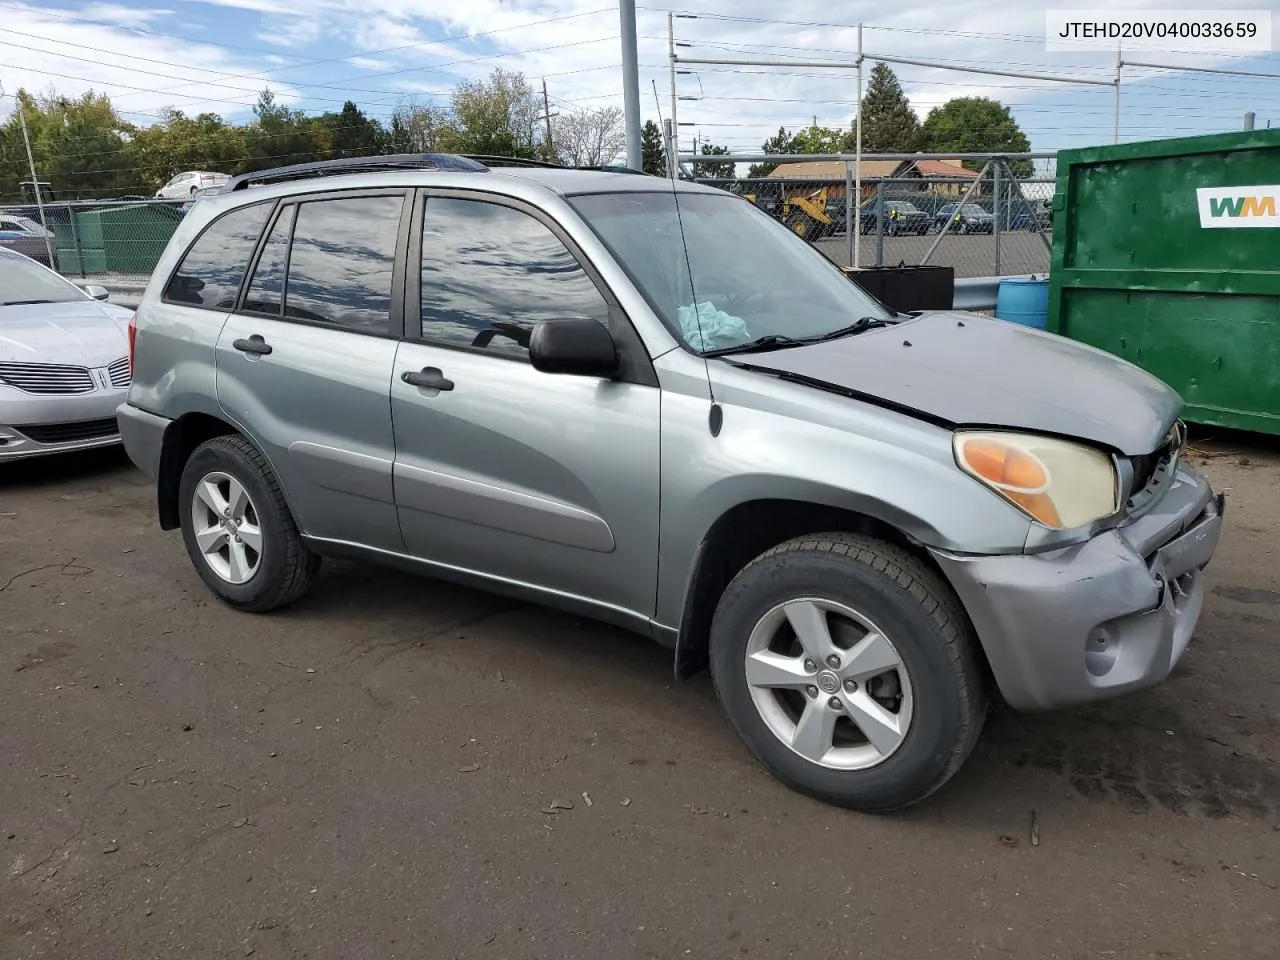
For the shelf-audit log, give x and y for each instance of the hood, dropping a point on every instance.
(82, 333)
(967, 370)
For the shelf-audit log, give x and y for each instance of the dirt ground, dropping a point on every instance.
(364, 776)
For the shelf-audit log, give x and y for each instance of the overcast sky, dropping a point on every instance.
(216, 54)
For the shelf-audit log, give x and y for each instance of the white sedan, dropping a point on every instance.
(185, 184)
(64, 362)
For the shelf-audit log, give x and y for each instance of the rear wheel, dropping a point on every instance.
(849, 670)
(238, 530)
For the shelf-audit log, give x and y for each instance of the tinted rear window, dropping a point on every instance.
(210, 273)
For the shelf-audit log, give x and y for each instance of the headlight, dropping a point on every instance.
(1058, 483)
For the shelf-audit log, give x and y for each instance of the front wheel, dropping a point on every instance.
(238, 530)
(848, 668)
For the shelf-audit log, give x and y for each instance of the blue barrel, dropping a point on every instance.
(1023, 300)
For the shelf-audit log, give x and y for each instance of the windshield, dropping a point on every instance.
(973, 210)
(22, 281)
(904, 207)
(752, 277)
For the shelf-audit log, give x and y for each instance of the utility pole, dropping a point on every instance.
(631, 84)
(35, 180)
(546, 114)
(1249, 119)
(674, 138)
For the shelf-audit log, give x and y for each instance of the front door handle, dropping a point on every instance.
(429, 378)
(254, 345)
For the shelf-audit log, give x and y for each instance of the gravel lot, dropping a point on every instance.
(364, 776)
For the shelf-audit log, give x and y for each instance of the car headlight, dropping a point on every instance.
(1056, 482)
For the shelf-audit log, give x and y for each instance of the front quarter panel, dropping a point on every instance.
(786, 441)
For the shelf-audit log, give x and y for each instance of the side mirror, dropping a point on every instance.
(95, 291)
(578, 346)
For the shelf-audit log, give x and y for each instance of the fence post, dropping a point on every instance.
(850, 205)
(75, 241)
(879, 223)
(998, 225)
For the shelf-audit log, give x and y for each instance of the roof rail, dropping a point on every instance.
(617, 168)
(496, 161)
(320, 168)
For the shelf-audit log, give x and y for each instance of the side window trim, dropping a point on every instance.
(244, 279)
(637, 365)
(396, 306)
(282, 208)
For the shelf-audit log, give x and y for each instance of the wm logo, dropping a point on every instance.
(1242, 206)
(1235, 207)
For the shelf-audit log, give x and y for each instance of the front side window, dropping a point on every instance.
(212, 270)
(341, 262)
(490, 272)
(719, 272)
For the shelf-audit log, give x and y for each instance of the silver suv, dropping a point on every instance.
(651, 404)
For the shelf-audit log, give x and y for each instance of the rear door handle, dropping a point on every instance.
(429, 378)
(255, 345)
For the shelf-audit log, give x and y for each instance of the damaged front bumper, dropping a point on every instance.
(1098, 618)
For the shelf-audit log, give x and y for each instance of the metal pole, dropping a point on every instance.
(997, 226)
(546, 113)
(1249, 119)
(35, 181)
(675, 125)
(668, 136)
(880, 224)
(856, 258)
(849, 226)
(1115, 119)
(631, 84)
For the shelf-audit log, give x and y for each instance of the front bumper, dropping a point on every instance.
(1099, 618)
(33, 426)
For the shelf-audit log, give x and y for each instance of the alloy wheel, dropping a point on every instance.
(226, 527)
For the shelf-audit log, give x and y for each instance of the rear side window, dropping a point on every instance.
(266, 289)
(341, 262)
(212, 270)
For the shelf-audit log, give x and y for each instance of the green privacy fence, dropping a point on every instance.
(121, 238)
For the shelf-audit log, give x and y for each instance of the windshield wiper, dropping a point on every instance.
(24, 303)
(860, 325)
(768, 342)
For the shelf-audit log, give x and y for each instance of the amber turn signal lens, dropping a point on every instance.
(1005, 465)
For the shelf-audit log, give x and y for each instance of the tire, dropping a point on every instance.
(284, 568)
(942, 694)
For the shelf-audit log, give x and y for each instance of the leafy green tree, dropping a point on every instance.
(889, 125)
(498, 116)
(722, 170)
(280, 136)
(80, 146)
(977, 125)
(178, 142)
(812, 139)
(653, 150)
(351, 133)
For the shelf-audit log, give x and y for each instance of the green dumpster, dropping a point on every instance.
(127, 239)
(1167, 254)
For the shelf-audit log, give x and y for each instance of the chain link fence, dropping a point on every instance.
(116, 239)
(991, 216)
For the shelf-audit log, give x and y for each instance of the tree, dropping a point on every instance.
(178, 142)
(498, 116)
(280, 136)
(889, 125)
(417, 127)
(351, 133)
(79, 143)
(722, 170)
(653, 150)
(977, 125)
(590, 137)
(812, 139)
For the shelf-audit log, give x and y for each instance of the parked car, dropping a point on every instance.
(1035, 214)
(23, 235)
(867, 525)
(900, 218)
(186, 184)
(197, 195)
(965, 218)
(64, 362)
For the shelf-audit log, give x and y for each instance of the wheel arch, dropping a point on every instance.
(748, 529)
(181, 438)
